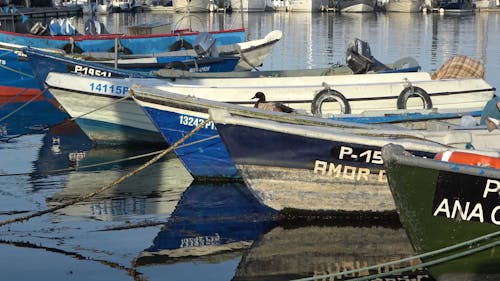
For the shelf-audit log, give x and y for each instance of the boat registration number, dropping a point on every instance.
(109, 89)
(195, 121)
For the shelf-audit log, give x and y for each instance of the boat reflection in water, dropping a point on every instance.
(23, 114)
(297, 251)
(153, 191)
(212, 222)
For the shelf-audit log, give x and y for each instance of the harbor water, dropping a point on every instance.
(159, 224)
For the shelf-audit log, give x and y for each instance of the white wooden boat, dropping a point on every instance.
(404, 6)
(248, 5)
(318, 95)
(252, 52)
(191, 6)
(355, 6)
(292, 164)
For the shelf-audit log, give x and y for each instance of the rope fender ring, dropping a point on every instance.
(329, 95)
(179, 44)
(121, 48)
(414, 92)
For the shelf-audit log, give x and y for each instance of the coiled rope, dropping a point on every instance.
(114, 183)
(468, 243)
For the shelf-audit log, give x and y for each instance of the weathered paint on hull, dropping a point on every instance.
(206, 156)
(291, 171)
(415, 190)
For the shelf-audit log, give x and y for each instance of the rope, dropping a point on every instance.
(14, 97)
(111, 161)
(99, 108)
(114, 183)
(424, 255)
(21, 107)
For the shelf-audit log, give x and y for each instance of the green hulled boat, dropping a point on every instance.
(442, 204)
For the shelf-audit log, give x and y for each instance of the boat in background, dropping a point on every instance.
(403, 6)
(73, 42)
(355, 6)
(247, 5)
(455, 6)
(191, 6)
(447, 205)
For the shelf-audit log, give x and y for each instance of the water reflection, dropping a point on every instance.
(297, 251)
(211, 223)
(154, 190)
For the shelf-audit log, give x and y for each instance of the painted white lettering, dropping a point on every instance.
(78, 68)
(494, 218)
(477, 212)
(491, 186)
(457, 207)
(344, 150)
(443, 207)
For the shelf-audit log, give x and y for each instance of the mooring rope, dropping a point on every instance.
(114, 183)
(55, 171)
(468, 243)
(14, 97)
(99, 108)
(21, 107)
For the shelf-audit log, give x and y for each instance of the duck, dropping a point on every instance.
(261, 103)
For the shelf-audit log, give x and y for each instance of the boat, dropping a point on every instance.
(355, 6)
(191, 6)
(211, 222)
(141, 129)
(455, 6)
(450, 207)
(252, 52)
(291, 166)
(129, 44)
(403, 6)
(248, 5)
(328, 95)
(176, 115)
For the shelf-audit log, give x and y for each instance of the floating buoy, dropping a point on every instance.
(469, 158)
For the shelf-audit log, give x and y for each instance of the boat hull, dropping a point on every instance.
(421, 191)
(138, 44)
(109, 122)
(203, 154)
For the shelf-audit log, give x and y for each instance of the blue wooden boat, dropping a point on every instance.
(130, 44)
(204, 155)
(210, 222)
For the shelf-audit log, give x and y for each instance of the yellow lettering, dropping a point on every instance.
(320, 167)
(349, 172)
(381, 176)
(363, 173)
